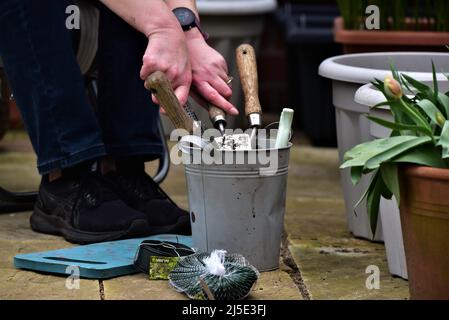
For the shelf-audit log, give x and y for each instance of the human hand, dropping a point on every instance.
(167, 52)
(209, 73)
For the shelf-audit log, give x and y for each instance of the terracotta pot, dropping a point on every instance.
(359, 41)
(425, 225)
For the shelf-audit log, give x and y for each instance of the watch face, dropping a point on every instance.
(185, 16)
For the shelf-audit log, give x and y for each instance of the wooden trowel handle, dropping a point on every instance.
(246, 63)
(160, 86)
(216, 112)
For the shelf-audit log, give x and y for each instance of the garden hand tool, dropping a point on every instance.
(218, 118)
(285, 125)
(160, 86)
(247, 66)
(217, 115)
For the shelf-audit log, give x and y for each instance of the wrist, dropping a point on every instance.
(189, 22)
(194, 34)
(171, 30)
(164, 24)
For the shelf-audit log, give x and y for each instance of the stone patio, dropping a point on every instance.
(320, 259)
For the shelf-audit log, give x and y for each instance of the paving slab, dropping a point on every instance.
(332, 263)
(338, 270)
(22, 284)
(275, 285)
(16, 227)
(139, 287)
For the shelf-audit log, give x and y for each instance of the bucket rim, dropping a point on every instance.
(288, 147)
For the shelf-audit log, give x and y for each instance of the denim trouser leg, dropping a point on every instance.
(127, 115)
(37, 52)
(36, 49)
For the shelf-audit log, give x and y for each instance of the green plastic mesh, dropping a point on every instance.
(235, 283)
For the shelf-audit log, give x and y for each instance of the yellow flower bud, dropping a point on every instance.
(440, 119)
(392, 88)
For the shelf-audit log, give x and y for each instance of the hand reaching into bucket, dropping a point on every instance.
(167, 52)
(209, 73)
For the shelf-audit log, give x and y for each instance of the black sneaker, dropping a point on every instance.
(139, 191)
(83, 209)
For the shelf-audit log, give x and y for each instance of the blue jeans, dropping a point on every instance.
(48, 86)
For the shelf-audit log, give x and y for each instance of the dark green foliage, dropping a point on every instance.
(421, 14)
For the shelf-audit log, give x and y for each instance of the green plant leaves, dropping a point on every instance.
(373, 200)
(389, 173)
(387, 155)
(444, 140)
(444, 101)
(432, 112)
(421, 87)
(374, 152)
(356, 175)
(398, 126)
(427, 155)
(435, 82)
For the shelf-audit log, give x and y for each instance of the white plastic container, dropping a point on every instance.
(348, 73)
(389, 211)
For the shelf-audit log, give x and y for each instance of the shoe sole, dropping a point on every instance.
(45, 223)
(181, 227)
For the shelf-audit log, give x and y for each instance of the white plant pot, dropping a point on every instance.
(389, 211)
(348, 73)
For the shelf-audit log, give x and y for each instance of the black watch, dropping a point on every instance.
(188, 20)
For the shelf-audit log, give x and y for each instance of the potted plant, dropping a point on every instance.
(405, 25)
(412, 165)
(348, 73)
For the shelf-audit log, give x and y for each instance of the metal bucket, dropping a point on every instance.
(239, 207)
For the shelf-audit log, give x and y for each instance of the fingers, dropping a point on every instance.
(155, 101)
(220, 85)
(198, 98)
(214, 97)
(149, 65)
(182, 93)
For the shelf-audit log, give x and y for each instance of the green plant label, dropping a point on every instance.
(160, 267)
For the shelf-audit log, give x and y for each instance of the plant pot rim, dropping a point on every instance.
(401, 38)
(426, 172)
(342, 68)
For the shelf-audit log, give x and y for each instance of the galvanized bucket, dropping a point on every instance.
(239, 207)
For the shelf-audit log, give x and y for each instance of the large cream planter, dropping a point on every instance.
(348, 73)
